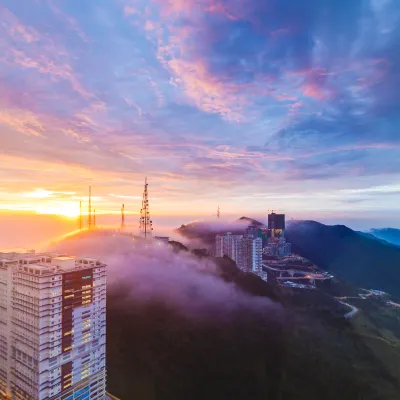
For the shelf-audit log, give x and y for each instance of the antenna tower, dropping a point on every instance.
(80, 216)
(218, 212)
(123, 217)
(146, 224)
(90, 208)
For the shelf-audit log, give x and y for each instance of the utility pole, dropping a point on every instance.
(80, 216)
(90, 208)
(123, 217)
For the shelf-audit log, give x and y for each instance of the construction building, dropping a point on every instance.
(274, 242)
(53, 327)
(276, 221)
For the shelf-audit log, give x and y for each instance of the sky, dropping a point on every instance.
(247, 104)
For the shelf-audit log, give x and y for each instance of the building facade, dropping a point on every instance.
(254, 231)
(277, 247)
(53, 327)
(251, 255)
(245, 250)
(228, 245)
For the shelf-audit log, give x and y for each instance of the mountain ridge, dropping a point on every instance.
(358, 259)
(390, 235)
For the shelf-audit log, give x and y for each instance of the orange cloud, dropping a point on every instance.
(22, 121)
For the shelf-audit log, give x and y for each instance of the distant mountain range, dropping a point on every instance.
(390, 235)
(364, 260)
(359, 259)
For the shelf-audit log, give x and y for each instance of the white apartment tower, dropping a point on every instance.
(251, 255)
(228, 245)
(245, 250)
(52, 327)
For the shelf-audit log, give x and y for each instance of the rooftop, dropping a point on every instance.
(47, 263)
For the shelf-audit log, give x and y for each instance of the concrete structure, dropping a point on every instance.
(53, 327)
(228, 245)
(277, 248)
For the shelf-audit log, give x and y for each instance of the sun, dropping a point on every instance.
(69, 211)
(64, 209)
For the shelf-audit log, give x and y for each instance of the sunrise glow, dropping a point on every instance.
(201, 97)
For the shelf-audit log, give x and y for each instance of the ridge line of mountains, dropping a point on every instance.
(365, 259)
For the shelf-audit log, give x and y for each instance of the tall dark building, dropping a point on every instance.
(276, 221)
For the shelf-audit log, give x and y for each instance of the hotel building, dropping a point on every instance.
(52, 327)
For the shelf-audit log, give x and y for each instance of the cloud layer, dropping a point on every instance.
(279, 97)
(152, 272)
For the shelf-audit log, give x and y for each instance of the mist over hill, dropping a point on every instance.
(390, 235)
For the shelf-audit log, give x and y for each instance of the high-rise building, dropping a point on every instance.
(53, 327)
(245, 250)
(219, 246)
(277, 247)
(276, 221)
(251, 254)
(254, 231)
(228, 245)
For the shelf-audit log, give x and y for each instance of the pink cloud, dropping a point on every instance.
(313, 82)
(189, 72)
(150, 25)
(285, 97)
(205, 91)
(295, 107)
(43, 63)
(15, 29)
(169, 7)
(25, 47)
(70, 22)
(279, 32)
(220, 8)
(313, 90)
(129, 10)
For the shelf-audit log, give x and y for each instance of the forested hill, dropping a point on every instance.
(358, 259)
